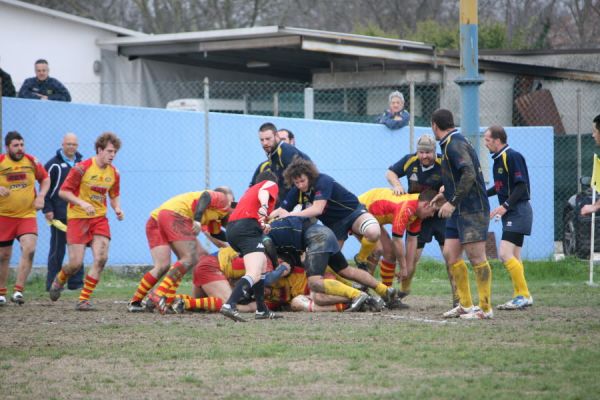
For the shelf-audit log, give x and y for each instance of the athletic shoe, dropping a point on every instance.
(267, 315)
(178, 306)
(162, 305)
(84, 305)
(2, 300)
(55, 290)
(135, 306)
(402, 294)
(17, 298)
(151, 301)
(390, 295)
(375, 303)
(529, 301)
(478, 314)
(361, 264)
(231, 313)
(357, 302)
(458, 311)
(397, 304)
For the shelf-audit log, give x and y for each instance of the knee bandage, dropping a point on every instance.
(366, 224)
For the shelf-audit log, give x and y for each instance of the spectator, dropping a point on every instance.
(55, 209)
(8, 89)
(396, 117)
(287, 136)
(42, 86)
(592, 208)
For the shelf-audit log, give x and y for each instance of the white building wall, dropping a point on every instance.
(69, 47)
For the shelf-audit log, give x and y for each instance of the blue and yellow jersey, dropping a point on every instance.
(419, 178)
(458, 155)
(509, 169)
(340, 201)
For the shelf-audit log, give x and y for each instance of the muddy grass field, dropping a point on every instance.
(552, 350)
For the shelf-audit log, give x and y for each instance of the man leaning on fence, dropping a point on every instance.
(42, 86)
(55, 209)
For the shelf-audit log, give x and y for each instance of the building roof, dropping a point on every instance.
(296, 53)
(84, 21)
(287, 52)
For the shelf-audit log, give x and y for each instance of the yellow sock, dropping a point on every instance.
(386, 271)
(338, 277)
(89, 285)
(406, 282)
(61, 277)
(148, 281)
(483, 277)
(381, 289)
(366, 248)
(164, 286)
(517, 274)
(337, 288)
(461, 277)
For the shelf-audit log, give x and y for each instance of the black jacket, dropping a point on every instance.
(58, 170)
(8, 89)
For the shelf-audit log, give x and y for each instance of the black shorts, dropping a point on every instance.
(469, 228)
(518, 219)
(245, 236)
(342, 227)
(430, 228)
(320, 239)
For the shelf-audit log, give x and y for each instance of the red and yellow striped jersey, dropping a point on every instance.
(19, 178)
(388, 208)
(91, 183)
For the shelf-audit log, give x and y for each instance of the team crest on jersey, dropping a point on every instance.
(500, 170)
(413, 177)
(107, 179)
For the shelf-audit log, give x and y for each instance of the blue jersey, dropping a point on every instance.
(459, 157)
(32, 88)
(277, 162)
(287, 233)
(420, 178)
(509, 169)
(340, 202)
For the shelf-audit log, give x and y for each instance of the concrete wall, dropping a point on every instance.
(163, 154)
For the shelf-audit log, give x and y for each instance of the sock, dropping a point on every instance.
(3, 291)
(211, 304)
(483, 277)
(61, 277)
(241, 287)
(18, 288)
(517, 274)
(381, 289)
(148, 281)
(175, 274)
(259, 294)
(461, 277)
(339, 289)
(386, 271)
(89, 284)
(341, 307)
(366, 248)
(455, 298)
(406, 282)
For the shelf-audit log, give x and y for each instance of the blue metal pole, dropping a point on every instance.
(469, 80)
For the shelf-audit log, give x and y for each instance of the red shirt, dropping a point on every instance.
(249, 204)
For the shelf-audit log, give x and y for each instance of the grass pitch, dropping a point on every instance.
(552, 350)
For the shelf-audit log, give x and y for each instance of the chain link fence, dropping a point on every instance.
(568, 106)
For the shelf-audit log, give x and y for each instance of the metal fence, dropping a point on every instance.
(569, 106)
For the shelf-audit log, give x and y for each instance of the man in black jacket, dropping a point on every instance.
(55, 208)
(42, 86)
